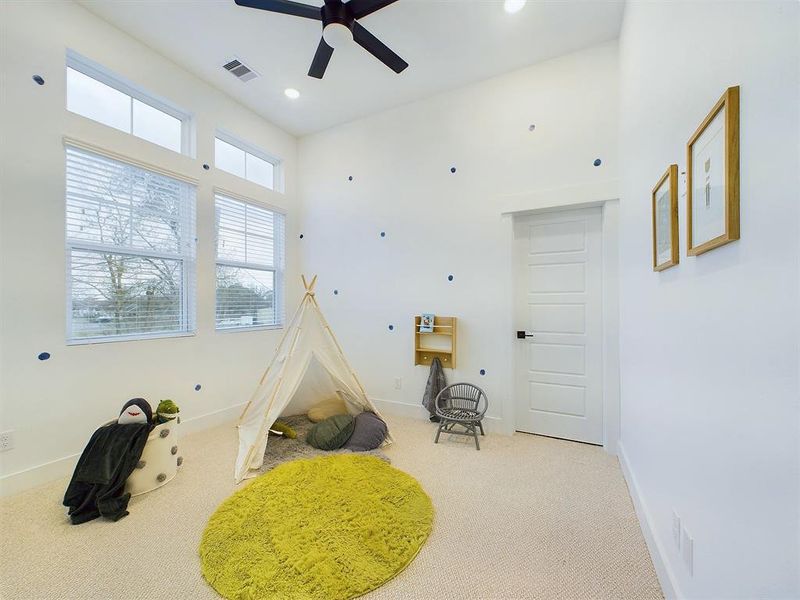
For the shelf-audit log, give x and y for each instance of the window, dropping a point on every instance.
(95, 93)
(250, 247)
(245, 161)
(130, 250)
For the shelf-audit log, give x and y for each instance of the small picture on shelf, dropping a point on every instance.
(426, 323)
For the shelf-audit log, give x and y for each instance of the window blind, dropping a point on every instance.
(131, 250)
(250, 264)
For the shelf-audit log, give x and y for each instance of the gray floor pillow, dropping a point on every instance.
(368, 434)
(332, 433)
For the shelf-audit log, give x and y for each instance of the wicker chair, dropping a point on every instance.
(461, 404)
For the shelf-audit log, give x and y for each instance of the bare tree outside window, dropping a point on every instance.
(131, 233)
(249, 264)
(245, 297)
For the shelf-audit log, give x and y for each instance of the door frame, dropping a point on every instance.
(610, 314)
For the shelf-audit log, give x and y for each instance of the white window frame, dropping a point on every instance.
(100, 73)
(277, 269)
(188, 283)
(277, 163)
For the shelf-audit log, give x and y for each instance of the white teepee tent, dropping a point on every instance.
(308, 366)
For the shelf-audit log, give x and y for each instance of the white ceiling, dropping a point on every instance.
(448, 43)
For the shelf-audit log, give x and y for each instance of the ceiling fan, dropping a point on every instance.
(339, 25)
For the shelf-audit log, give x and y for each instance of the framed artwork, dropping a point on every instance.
(712, 178)
(665, 220)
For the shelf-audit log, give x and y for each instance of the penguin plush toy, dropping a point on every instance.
(97, 488)
(135, 411)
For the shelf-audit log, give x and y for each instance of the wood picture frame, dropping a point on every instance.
(715, 144)
(664, 200)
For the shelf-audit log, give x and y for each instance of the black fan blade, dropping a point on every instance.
(377, 48)
(321, 59)
(286, 7)
(362, 8)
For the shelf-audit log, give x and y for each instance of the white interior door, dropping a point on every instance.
(559, 366)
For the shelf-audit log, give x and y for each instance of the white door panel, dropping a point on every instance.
(558, 278)
(557, 358)
(558, 270)
(568, 236)
(558, 398)
(555, 318)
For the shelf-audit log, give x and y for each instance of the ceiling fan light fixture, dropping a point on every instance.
(513, 6)
(340, 27)
(337, 35)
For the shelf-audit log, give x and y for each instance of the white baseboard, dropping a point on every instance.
(401, 409)
(669, 585)
(39, 475)
(417, 411)
(212, 419)
(63, 467)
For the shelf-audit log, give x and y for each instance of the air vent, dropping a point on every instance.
(240, 70)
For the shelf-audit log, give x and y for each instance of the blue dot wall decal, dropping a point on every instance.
(206, 167)
(597, 162)
(335, 292)
(301, 236)
(197, 387)
(531, 127)
(450, 278)
(43, 356)
(391, 327)
(483, 371)
(350, 178)
(383, 234)
(452, 169)
(38, 79)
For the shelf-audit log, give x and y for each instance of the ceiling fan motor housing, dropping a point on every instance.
(337, 24)
(336, 12)
(340, 26)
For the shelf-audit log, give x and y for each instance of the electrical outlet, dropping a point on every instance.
(6, 441)
(676, 529)
(687, 551)
(398, 383)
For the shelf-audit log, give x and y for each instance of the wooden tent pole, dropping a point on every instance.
(347, 363)
(278, 385)
(278, 348)
(338, 347)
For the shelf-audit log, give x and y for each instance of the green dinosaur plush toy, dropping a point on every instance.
(166, 411)
(283, 429)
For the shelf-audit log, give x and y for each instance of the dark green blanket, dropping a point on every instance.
(98, 483)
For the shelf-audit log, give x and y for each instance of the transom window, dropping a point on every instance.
(96, 93)
(245, 161)
(130, 248)
(250, 263)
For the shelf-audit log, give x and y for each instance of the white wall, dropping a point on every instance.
(709, 349)
(54, 405)
(438, 223)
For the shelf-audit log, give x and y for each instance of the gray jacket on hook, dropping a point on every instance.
(436, 383)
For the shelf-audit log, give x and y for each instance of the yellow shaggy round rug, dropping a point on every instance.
(330, 528)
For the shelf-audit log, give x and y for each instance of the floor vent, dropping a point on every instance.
(240, 70)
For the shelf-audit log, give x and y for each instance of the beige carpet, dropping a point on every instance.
(526, 517)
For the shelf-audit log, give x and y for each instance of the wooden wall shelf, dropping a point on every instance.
(439, 343)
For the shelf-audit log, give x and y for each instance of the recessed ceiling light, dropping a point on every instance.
(513, 6)
(291, 93)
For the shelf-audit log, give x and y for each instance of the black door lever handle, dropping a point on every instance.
(521, 335)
